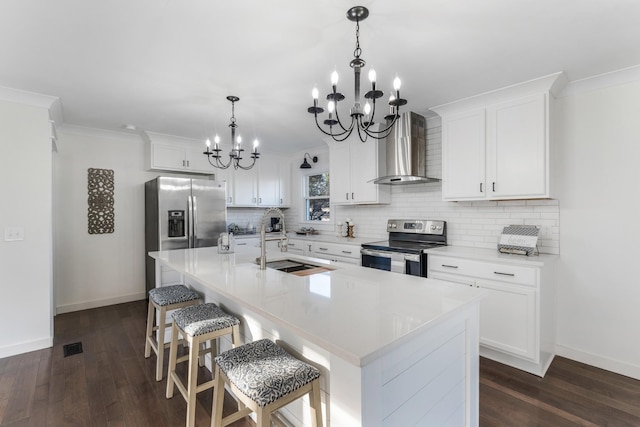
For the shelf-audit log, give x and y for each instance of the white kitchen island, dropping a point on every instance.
(394, 350)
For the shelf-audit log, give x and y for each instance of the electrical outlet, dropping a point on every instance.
(12, 234)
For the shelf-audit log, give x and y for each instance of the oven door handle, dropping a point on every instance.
(398, 260)
(375, 253)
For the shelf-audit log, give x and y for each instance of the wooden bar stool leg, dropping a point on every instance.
(173, 356)
(192, 380)
(316, 404)
(236, 336)
(150, 321)
(263, 418)
(218, 399)
(161, 329)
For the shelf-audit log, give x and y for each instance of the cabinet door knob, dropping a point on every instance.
(352, 196)
(346, 196)
(481, 187)
(494, 187)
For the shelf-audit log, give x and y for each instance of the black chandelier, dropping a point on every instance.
(235, 155)
(361, 117)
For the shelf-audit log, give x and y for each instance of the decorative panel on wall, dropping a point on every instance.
(100, 188)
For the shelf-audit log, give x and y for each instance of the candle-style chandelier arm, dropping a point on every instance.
(236, 164)
(335, 136)
(235, 155)
(362, 118)
(215, 154)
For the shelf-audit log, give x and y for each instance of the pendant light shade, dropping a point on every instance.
(307, 165)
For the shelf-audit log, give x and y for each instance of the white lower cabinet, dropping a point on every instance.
(338, 252)
(518, 305)
(298, 247)
(517, 315)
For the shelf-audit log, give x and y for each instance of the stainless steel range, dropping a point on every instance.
(404, 252)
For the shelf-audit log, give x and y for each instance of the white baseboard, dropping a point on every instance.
(25, 347)
(617, 366)
(68, 308)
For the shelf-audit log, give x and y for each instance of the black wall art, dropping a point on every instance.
(100, 188)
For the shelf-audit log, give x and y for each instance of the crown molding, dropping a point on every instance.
(28, 98)
(601, 81)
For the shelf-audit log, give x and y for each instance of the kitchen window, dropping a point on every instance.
(316, 197)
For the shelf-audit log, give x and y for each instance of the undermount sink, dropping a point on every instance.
(296, 267)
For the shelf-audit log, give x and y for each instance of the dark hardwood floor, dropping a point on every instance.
(112, 384)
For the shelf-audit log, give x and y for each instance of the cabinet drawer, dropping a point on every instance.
(484, 270)
(337, 249)
(295, 244)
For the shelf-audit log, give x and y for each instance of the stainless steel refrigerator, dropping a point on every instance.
(182, 213)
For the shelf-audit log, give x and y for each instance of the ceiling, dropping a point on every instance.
(167, 65)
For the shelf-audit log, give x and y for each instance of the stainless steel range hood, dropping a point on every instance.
(407, 152)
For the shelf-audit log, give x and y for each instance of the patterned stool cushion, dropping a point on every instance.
(173, 294)
(264, 371)
(202, 319)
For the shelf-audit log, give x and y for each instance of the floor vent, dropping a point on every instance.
(71, 349)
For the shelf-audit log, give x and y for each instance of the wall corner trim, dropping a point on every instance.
(602, 362)
(25, 347)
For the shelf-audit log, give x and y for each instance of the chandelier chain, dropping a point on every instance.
(357, 51)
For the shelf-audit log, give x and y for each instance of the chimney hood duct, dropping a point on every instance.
(407, 152)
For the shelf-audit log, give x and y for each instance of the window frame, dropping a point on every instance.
(305, 197)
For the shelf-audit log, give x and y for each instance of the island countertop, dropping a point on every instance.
(356, 313)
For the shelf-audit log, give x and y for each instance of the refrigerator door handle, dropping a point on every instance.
(190, 221)
(195, 221)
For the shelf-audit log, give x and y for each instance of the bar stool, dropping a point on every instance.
(164, 299)
(197, 324)
(264, 378)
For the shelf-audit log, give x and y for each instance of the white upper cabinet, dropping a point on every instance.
(464, 155)
(517, 149)
(268, 181)
(352, 165)
(267, 184)
(495, 146)
(245, 186)
(178, 154)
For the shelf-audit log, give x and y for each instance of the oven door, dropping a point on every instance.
(396, 262)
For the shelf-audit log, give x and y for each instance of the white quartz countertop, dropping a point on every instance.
(492, 255)
(354, 312)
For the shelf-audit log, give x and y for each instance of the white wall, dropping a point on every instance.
(599, 176)
(26, 318)
(93, 270)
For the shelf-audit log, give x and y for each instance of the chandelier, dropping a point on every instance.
(361, 117)
(235, 155)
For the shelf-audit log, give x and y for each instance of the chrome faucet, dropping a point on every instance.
(264, 238)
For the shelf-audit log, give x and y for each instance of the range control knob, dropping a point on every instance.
(439, 227)
(393, 225)
(433, 227)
